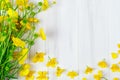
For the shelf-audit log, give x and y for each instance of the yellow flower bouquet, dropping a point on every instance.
(17, 34)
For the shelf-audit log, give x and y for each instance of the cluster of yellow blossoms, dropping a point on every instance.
(17, 36)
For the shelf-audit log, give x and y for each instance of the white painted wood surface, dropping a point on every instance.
(80, 33)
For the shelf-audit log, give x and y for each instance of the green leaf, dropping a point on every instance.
(36, 35)
(40, 3)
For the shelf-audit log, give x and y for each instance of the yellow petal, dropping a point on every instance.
(52, 63)
(42, 34)
(114, 55)
(115, 78)
(72, 74)
(98, 76)
(45, 5)
(23, 56)
(118, 45)
(18, 42)
(115, 68)
(12, 13)
(103, 64)
(30, 75)
(24, 72)
(39, 57)
(118, 51)
(88, 70)
(59, 71)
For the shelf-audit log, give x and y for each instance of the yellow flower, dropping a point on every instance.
(118, 45)
(12, 13)
(30, 75)
(18, 42)
(118, 51)
(114, 55)
(25, 70)
(119, 62)
(88, 70)
(115, 68)
(23, 56)
(72, 74)
(45, 5)
(98, 76)
(103, 64)
(52, 63)
(59, 71)
(21, 2)
(42, 75)
(115, 78)
(33, 20)
(27, 25)
(39, 57)
(42, 34)
(1, 18)
(84, 78)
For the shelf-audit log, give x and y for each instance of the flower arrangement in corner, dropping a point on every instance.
(17, 34)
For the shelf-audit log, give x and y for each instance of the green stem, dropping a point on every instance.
(104, 78)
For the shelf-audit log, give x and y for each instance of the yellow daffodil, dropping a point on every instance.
(72, 74)
(12, 13)
(103, 64)
(23, 56)
(42, 75)
(30, 75)
(98, 76)
(42, 34)
(21, 2)
(114, 55)
(45, 5)
(18, 42)
(115, 68)
(33, 20)
(59, 71)
(115, 78)
(25, 70)
(88, 70)
(84, 78)
(39, 57)
(52, 63)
